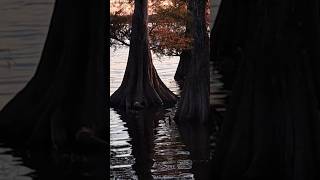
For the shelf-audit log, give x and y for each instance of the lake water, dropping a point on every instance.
(153, 133)
(149, 144)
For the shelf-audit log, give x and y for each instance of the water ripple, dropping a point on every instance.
(158, 138)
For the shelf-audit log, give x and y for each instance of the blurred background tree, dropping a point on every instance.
(167, 25)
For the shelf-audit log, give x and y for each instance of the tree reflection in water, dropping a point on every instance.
(196, 137)
(156, 145)
(162, 149)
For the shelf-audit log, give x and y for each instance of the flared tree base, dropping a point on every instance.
(146, 96)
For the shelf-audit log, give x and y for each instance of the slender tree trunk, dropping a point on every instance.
(185, 56)
(182, 68)
(67, 92)
(141, 86)
(194, 103)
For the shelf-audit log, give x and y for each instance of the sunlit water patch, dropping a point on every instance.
(23, 29)
(11, 167)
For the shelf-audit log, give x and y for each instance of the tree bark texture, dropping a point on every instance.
(141, 86)
(272, 128)
(68, 90)
(194, 103)
(185, 56)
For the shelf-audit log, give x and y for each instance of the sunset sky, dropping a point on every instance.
(116, 4)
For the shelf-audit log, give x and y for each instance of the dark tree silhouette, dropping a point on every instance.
(226, 51)
(211, 45)
(194, 103)
(66, 98)
(272, 127)
(141, 86)
(182, 68)
(185, 55)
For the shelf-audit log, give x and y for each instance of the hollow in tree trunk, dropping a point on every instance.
(194, 103)
(141, 86)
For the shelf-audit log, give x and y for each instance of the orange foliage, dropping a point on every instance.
(167, 26)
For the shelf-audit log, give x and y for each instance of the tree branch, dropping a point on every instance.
(119, 40)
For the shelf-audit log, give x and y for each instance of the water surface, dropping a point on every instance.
(23, 28)
(146, 144)
(149, 144)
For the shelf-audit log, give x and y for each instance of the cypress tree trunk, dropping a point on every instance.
(194, 103)
(185, 56)
(211, 46)
(230, 30)
(141, 86)
(182, 68)
(66, 96)
(272, 122)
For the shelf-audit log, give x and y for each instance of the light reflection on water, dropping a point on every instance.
(11, 167)
(149, 144)
(23, 28)
(146, 144)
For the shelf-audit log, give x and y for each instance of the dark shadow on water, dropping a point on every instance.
(141, 125)
(196, 137)
(144, 132)
(51, 165)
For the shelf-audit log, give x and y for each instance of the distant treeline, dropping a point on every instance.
(127, 18)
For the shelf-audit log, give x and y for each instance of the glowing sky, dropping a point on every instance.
(115, 5)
